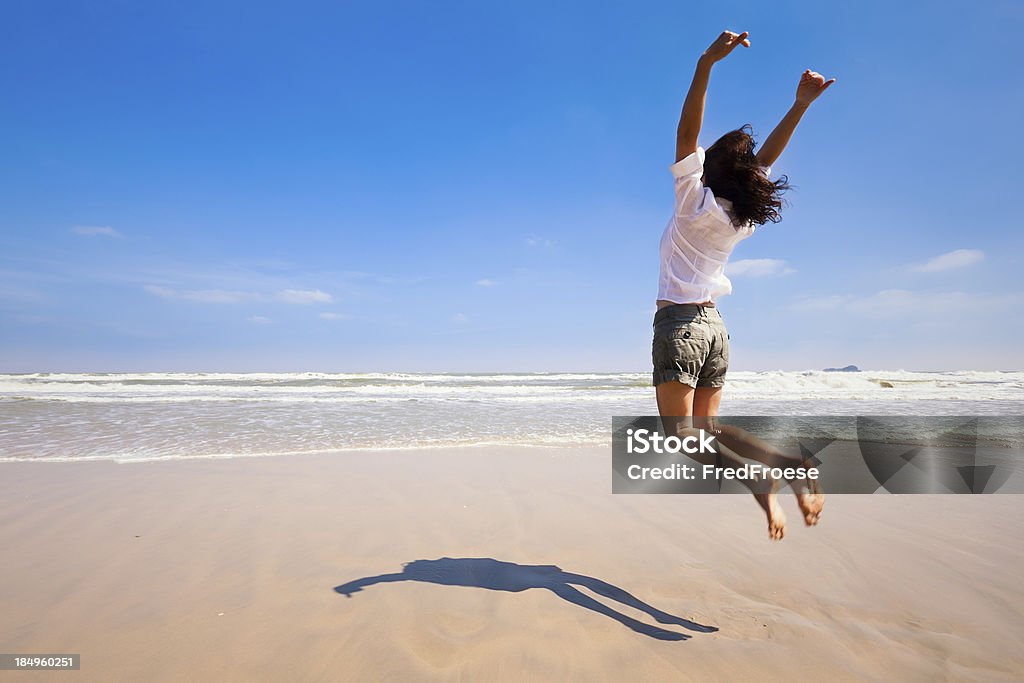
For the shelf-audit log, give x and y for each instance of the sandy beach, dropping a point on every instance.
(227, 569)
(320, 323)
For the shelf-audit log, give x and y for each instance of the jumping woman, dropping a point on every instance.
(721, 196)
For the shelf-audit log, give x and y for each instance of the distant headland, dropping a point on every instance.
(848, 368)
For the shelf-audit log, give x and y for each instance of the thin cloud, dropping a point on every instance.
(486, 282)
(758, 267)
(537, 241)
(460, 318)
(822, 303)
(960, 258)
(304, 296)
(231, 296)
(205, 296)
(95, 231)
(259, 320)
(24, 294)
(327, 315)
(890, 303)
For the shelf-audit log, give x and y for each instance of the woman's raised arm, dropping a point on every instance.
(811, 85)
(693, 108)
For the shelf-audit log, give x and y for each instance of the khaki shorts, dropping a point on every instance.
(691, 345)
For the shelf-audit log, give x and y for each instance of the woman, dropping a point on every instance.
(722, 195)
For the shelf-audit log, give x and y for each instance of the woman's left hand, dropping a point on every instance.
(811, 85)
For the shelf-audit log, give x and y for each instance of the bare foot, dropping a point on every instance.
(776, 518)
(811, 505)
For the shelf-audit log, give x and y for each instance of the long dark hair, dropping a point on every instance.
(731, 172)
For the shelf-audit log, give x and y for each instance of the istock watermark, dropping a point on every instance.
(645, 440)
(839, 454)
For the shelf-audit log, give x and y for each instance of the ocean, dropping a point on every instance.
(133, 417)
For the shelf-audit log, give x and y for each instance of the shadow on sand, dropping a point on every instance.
(508, 576)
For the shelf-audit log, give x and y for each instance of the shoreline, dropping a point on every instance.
(328, 452)
(227, 568)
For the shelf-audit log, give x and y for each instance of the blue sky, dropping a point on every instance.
(389, 186)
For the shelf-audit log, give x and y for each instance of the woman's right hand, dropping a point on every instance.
(724, 44)
(811, 85)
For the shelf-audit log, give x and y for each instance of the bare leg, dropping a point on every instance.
(706, 403)
(675, 399)
(742, 441)
(679, 400)
(808, 495)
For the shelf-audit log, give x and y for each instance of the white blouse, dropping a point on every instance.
(698, 239)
